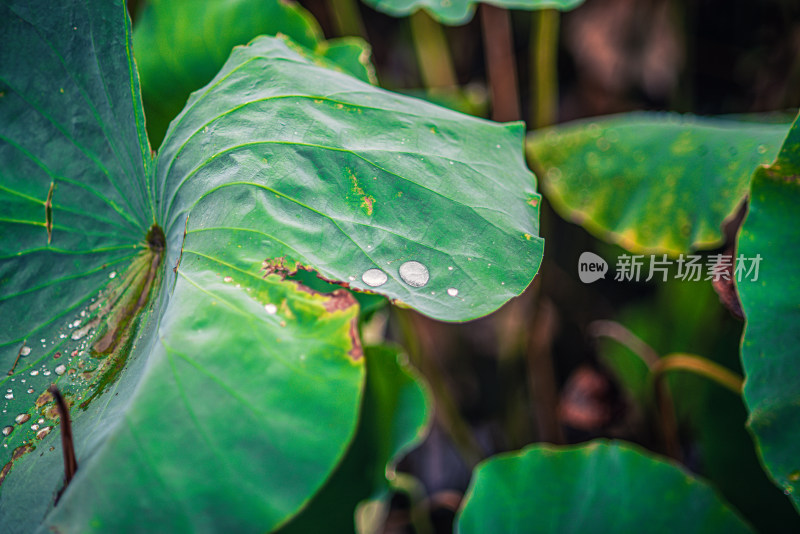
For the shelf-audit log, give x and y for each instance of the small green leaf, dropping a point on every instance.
(456, 12)
(652, 182)
(770, 347)
(599, 487)
(394, 418)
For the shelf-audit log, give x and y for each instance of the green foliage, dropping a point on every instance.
(599, 487)
(652, 182)
(771, 344)
(394, 417)
(181, 44)
(207, 386)
(457, 12)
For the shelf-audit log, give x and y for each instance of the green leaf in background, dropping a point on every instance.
(207, 390)
(771, 343)
(394, 418)
(381, 192)
(687, 317)
(181, 44)
(599, 487)
(456, 12)
(652, 182)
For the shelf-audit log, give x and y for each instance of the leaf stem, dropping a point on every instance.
(347, 18)
(501, 66)
(433, 55)
(544, 68)
(67, 446)
(701, 366)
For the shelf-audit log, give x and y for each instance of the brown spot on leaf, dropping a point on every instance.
(18, 453)
(48, 212)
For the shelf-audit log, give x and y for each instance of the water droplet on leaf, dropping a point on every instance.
(61, 369)
(271, 309)
(414, 274)
(374, 277)
(21, 418)
(453, 292)
(7, 430)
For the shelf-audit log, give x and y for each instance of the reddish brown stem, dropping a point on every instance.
(68, 448)
(501, 65)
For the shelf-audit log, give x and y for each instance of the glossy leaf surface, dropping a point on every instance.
(188, 359)
(600, 487)
(652, 182)
(461, 11)
(324, 171)
(771, 343)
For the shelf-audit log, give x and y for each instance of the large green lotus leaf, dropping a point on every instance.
(652, 182)
(239, 416)
(316, 169)
(394, 419)
(771, 342)
(176, 389)
(599, 487)
(191, 353)
(456, 12)
(181, 44)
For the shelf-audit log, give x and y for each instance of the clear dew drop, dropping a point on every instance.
(30, 390)
(34, 427)
(112, 274)
(22, 418)
(7, 430)
(34, 372)
(43, 432)
(414, 273)
(228, 279)
(271, 309)
(25, 351)
(374, 277)
(450, 268)
(453, 292)
(9, 396)
(60, 370)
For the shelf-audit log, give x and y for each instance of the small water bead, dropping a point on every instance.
(34, 372)
(25, 351)
(450, 268)
(414, 273)
(374, 277)
(61, 369)
(30, 390)
(41, 420)
(22, 418)
(453, 292)
(271, 309)
(34, 427)
(7, 430)
(112, 274)
(228, 279)
(43, 432)
(9, 396)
